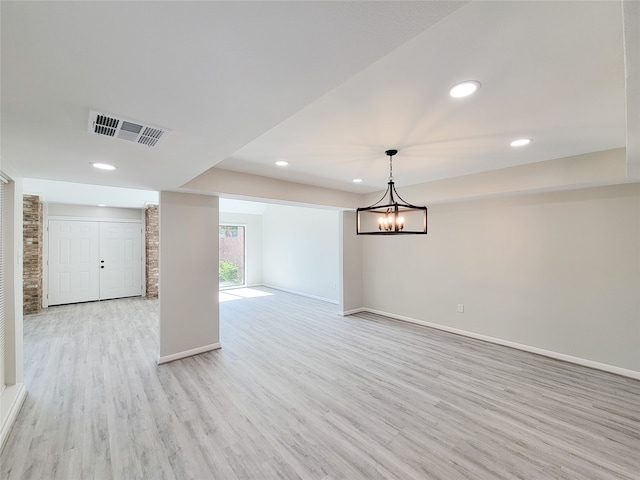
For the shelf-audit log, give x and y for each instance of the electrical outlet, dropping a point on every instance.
(460, 308)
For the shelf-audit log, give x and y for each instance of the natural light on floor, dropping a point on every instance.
(238, 293)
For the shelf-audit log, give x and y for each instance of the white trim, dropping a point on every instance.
(47, 219)
(527, 348)
(143, 251)
(188, 353)
(302, 294)
(236, 287)
(351, 312)
(45, 254)
(12, 399)
(68, 218)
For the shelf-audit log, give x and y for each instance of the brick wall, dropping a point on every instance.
(32, 254)
(151, 248)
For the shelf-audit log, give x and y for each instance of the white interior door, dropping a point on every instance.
(73, 261)
(120, 260)
(91, 260)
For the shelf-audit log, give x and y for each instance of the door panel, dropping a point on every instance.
(90, 260)
(120, 260)
(73, 266)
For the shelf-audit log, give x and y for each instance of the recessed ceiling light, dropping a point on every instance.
(103, 166)
(357, 180)
(521, 142)
(282, 163)
(101, 205)
(464, 89)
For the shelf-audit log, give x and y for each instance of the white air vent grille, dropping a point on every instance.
(129, 130)
(150, 136)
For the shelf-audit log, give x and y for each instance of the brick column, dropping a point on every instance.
(151, 249)
(32, 256)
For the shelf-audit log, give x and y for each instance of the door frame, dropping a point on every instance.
(45, 244)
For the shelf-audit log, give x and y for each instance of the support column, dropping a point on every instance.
(350, 265)
(151, 251)
(188, 275)
(32, 260)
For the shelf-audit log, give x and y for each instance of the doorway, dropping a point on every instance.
(94, 260)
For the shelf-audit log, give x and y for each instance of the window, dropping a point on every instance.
(231, 271)
(227, 231)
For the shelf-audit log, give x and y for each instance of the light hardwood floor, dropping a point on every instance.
(298, 392)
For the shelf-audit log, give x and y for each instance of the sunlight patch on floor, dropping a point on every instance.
(239, 293)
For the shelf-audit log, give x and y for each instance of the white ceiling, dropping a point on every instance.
(54, 191)
(328, 86)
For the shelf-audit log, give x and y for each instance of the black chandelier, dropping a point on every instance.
(391, 215)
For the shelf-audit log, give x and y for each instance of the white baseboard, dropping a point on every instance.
(188, 353)
(302, 294)
(351, 312)
(527, 348)
(12, 399)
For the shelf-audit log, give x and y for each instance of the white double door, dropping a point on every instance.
(91, 260)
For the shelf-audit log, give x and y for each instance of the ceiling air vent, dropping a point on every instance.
(125, 129)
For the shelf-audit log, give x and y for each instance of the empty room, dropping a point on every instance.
(320, 240)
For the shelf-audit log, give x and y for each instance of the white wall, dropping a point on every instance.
(555, 271)
(188, 275)
(258, 188)
(253, 243)
(99, 213)
(593, 169)
(301, 250)
(14, 394)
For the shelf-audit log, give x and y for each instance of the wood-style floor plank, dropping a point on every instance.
(298, 392)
